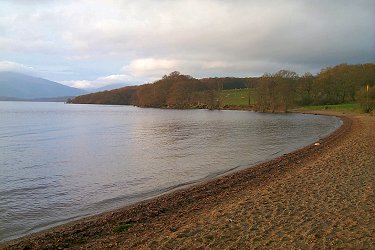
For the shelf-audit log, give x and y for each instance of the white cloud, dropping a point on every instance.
(81, 84)
(111, 79)
(100, 81)
(16, 67)
(151, 67)
(216, 65)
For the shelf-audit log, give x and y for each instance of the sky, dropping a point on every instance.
(92, 43)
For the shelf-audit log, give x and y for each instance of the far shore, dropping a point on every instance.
(320, 196)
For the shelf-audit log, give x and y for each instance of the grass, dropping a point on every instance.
(236, 97)
(240, 97)
(122, 228)
(346, 107)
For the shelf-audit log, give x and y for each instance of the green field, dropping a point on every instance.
(346, 107)
(237, 97)
(240, 97)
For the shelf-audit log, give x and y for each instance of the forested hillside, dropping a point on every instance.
(275, 92)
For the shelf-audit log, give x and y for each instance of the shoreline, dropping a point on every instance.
(87, 230)
(168, 193)
(157, 192)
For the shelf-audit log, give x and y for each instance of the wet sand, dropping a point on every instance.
(321, 196)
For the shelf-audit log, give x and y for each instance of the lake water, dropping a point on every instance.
(59, 162)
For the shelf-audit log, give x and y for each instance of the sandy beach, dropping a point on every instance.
(319, 197)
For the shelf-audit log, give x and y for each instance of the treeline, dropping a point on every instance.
(172, 91)
(333, 85)
(272, 92)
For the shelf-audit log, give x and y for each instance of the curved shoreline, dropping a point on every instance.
(176, 198)
(209, 193)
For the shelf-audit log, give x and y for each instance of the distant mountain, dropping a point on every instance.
(22, 86)
(108, 87)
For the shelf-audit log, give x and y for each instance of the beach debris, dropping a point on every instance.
(317, 144)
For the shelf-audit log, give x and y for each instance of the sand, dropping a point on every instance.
(319, 197)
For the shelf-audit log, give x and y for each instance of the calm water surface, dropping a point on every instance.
(59, 162)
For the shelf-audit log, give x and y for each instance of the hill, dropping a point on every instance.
(21, 86)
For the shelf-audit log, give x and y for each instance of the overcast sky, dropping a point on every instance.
(91, 43)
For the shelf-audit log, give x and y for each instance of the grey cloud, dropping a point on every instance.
(233, 37)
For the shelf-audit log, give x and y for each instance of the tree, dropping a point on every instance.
(249, 88)
(263, 93)
(340, 84)
(276, 92)
(182, 93)
(285, 82)
(366, 98)
(304, 89)
(220, 86)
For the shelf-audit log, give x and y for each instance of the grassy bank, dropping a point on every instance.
(341, 108)
(240, 97)
(237, 97)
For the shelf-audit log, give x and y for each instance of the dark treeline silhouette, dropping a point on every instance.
(273, 92)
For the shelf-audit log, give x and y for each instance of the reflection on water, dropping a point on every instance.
(60, 162)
